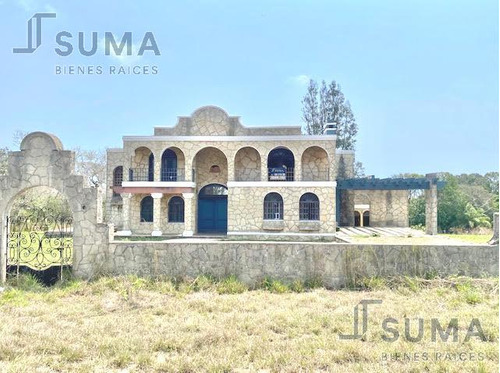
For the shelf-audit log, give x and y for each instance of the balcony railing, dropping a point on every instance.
(140, 174)
(280, 174)
(172, 174)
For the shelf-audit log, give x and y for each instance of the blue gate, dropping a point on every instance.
(212, 209)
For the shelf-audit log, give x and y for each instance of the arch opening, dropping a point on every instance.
(309, 207)
(366, 219)
(172, 165)
(357, 219)
(146, 210)
(280, 165)
(273, 206)
(247, 165)
(212, 209)
(205, 162)
(176, 210)
(315, 164)
(142, 165)
(39, 234)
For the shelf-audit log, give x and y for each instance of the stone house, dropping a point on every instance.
(209, 174)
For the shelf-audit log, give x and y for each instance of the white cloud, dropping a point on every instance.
(301, 80)
(32, 6)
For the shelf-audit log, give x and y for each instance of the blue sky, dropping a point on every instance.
(421, 76)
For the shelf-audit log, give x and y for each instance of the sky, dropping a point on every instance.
(421, 76)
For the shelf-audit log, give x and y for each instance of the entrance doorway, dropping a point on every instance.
(212, 209)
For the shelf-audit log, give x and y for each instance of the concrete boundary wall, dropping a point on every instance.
(335, 264)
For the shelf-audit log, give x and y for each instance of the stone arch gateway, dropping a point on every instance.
(43, 162)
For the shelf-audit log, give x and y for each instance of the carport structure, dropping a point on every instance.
(345, 198)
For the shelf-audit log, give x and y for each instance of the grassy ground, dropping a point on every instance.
(440, 239)
(471, 238)
(129, 324)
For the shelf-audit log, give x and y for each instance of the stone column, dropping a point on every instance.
(263, 168)
(230, 168)
(156, 214)
(297, 172)
(188, 168)
(125, 215)
(157, 168)
(189, 214)
(431, 226)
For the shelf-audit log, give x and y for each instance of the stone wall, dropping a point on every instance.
(335, 264)
(246, 209)
(388, 208)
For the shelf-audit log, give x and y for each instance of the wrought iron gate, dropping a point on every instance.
(39, 241)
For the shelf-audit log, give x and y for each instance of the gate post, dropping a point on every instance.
(431, 209)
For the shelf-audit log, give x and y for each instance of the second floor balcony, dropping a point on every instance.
(147, 174)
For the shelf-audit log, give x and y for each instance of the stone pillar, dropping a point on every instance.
(347, 209)
(156, 214)
(189, 214)
(230, 169)
(125, 215)
(188, 168)
(297, 172)
(431, 209)
(263, 167)
(157, 168)
(494, 239)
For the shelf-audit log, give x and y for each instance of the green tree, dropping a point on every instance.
(327, 104)
(451, 206)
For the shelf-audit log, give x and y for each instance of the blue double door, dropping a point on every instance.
(212, 214)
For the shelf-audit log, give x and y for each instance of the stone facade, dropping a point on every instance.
(336, 265)
(387, 208)
(246, 212)
(214, 148)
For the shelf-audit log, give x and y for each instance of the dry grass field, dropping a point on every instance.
(129, 324)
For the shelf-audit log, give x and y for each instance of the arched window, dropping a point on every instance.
(357, 219)
(213, 190)
(280, 165)
(176, 210)
(118, 176)
(273, 207)
(309, 207)
(147, 209)
(169, 166)
(366, 219)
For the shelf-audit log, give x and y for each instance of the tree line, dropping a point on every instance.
(467, 202)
